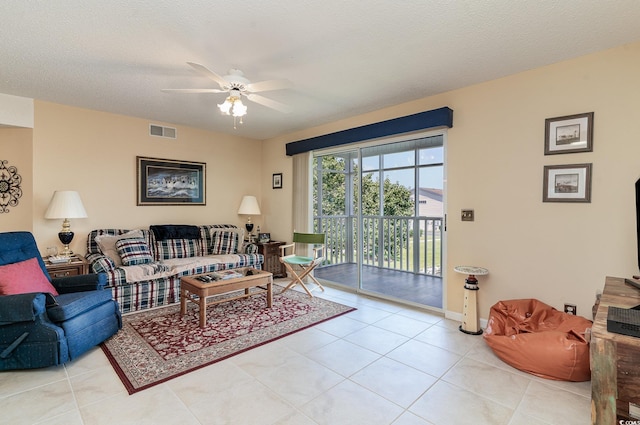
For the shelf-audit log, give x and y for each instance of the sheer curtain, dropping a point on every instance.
(302, 178)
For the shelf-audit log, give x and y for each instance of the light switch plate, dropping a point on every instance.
(466, 215)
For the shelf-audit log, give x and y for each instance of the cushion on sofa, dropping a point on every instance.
(224, 242)
(177, 248)
(24, 277)
(107, 244)
(133, 251)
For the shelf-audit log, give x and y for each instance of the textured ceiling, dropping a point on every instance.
(344, 57)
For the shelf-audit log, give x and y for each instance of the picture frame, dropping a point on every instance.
(277, 181)
(569, 134)
(567, 183)
(170, 182)
(264, 237)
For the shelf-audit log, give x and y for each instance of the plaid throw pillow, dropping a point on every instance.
(107, 244)
(224, 242)
(133, 251)
(178, 248)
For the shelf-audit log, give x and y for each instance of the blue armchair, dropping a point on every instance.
(39, 329)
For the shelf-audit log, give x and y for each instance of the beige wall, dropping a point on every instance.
(95, 153)
(16, 149)
(277, 203)
(556, 252)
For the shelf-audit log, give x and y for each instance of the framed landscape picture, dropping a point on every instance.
(567, 183)
(170, 182)
(569, 134)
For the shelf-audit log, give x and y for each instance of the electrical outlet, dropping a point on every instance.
(570, 309)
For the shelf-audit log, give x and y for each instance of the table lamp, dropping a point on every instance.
(249, 206)
(65, 204)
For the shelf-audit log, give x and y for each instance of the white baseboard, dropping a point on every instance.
(452, 315)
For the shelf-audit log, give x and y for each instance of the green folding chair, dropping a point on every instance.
(303, 264)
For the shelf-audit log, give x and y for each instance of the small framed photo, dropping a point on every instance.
(567, 183)
(264, 237)
(277, 181)
(570, 134)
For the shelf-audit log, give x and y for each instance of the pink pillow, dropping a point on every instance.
(24, 277)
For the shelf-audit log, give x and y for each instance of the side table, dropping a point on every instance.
(470, 324)
(76, 265)
(271, 252)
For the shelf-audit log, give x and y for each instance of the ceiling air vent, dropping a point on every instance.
(160, 131)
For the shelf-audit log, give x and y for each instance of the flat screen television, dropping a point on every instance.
(638, 219)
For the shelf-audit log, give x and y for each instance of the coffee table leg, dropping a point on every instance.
(183, 302)
(203, 311)
(270, 292)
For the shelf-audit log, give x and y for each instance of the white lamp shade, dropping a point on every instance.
(65, 204)
(249, 206)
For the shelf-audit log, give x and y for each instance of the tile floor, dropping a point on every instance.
(381, 364)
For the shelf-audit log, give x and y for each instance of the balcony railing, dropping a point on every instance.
(412, 244)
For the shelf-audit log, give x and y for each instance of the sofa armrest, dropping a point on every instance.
(249, 248)
(100, 263)
(21, 307)
(80, 283)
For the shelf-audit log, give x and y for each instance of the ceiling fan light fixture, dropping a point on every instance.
(239, 108)
(225, 107)
(233, 105)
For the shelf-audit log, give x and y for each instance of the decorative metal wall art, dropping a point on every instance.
(10, 190)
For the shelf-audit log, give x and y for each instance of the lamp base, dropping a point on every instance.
(249, 227)
(66, 237)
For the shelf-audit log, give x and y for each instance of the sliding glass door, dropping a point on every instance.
(382, 210)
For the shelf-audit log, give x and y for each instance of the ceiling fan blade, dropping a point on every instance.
(194, 91)
(210, 74)
(269, 85)
(269, 103)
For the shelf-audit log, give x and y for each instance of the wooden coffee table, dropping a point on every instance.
(197, 291)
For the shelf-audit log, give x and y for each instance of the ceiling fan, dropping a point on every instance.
(237, 86)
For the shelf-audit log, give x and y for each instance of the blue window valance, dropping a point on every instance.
(441, 117)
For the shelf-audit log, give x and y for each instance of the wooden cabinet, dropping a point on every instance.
(271, 252)
(76, 265)
(615, 360)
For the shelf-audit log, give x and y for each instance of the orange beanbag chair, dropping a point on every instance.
(536, 338)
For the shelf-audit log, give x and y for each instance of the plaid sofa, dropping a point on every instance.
(154, 292)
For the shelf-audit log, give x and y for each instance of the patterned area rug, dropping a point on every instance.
(157, 345)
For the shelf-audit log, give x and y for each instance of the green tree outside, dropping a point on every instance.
(397, 202)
